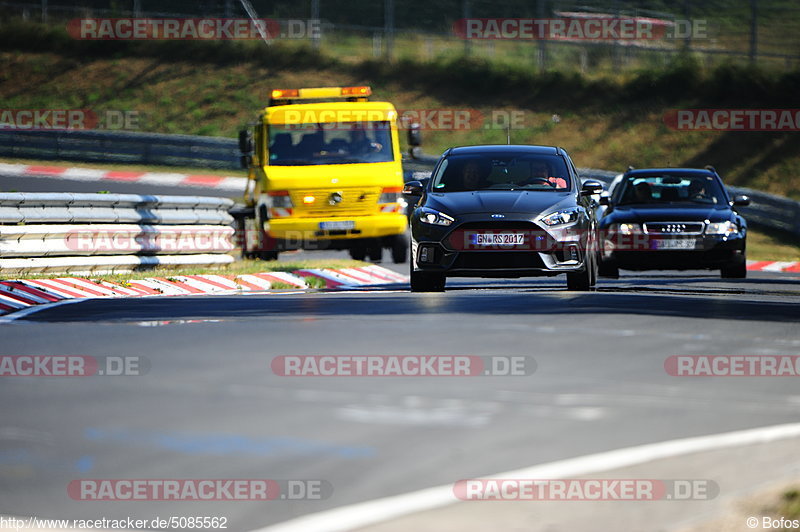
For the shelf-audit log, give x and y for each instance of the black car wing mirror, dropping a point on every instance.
(741, 200)
(413, 188)
(591, 187)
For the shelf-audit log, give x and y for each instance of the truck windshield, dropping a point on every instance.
(330, 143)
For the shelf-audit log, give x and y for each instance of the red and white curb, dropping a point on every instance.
(19, 294)
(773, 266)
(213, 182)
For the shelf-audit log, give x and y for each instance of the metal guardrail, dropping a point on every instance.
(122, 147)
(111, 232)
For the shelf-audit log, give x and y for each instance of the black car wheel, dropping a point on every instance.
(427, 281)
(608, 269)
(735, 270)
(400, 248)
(584, 280)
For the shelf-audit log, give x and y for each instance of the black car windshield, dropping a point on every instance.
(655, 189)
(334, 143)
(513, 171)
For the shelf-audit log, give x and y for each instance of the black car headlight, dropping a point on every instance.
(562, 217)
(429, 216)
(722, 228)
(626, 229)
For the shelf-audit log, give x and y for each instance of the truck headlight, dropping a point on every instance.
(722, 228)
(432, 217)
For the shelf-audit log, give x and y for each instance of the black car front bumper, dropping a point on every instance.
(710, 252)
(447, 250)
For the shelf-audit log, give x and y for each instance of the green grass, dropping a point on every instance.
(790, 504)
(764, 244)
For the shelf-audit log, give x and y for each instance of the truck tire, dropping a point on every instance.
(399, 248)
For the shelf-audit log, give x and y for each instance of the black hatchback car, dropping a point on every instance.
(673, 219)
(503, 211)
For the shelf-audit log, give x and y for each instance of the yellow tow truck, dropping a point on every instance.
(324, 172)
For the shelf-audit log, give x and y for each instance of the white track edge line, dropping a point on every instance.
(380, 510)
(13, 316)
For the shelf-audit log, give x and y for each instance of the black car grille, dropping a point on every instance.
(498, 260)
(674, 228)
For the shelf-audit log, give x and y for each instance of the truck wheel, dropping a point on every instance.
(375, 251)
(264, 255)
(358, 252)
(400, 248)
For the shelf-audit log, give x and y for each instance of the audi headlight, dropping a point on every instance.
(432, 217)
(722, 228)
(626, 229)
(564, 217)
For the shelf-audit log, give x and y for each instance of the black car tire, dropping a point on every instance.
(427, 281)
(734, 270)
(595, 271)
(608, 269)
(579, 281)
(400, 248)
(586, 279)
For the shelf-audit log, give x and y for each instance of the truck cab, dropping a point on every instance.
(325, 172)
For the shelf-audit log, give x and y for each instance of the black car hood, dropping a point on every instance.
(668, 213)
(499, 202)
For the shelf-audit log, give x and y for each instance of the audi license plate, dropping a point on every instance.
(337, 226)
(674, 243)
(498, 239)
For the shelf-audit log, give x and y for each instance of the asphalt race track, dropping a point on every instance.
(210, 407)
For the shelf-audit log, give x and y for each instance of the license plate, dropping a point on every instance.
(674, 243)
(337, 226)
(498, 239)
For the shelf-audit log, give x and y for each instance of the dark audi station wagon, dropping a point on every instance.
(503, 211)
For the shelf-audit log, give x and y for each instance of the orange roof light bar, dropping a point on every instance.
(278, 94)
(320, 92)
(356, 91)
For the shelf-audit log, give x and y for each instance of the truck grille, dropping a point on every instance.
(333, 202)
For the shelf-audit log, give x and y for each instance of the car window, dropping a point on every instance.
(655, 189)
(460, 173)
